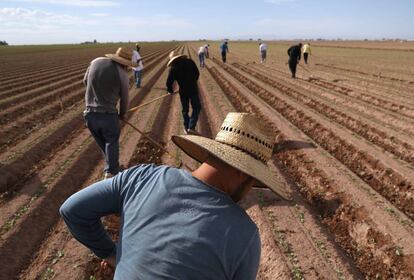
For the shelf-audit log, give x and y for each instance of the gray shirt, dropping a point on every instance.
(106, 82)
(173, 226)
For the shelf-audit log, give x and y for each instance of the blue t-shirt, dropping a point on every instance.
(173, 226)
(224, 48)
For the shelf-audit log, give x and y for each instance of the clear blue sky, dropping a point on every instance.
(72, 21)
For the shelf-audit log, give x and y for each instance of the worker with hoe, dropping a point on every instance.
(136, 58)
(177, 224)
(224, 48)
(202, 55)
(294, 58)
(184, 71)
(306, 49)
(107, 82)
(263, 52)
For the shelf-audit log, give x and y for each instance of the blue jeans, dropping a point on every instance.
(105, 129)
(138, 78)
(190, 122)
(201, 58)
(223, 56)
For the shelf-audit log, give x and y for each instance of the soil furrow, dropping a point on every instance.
(365, 74)
(24, 82)
(395, 146)
(395, 125)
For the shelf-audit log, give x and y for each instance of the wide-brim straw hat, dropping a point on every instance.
(122, 56)
(173, 56)
(244, 143)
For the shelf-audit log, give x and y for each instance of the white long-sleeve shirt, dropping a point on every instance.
(263, 47)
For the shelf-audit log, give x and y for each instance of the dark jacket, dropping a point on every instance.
(185, 72)
(294, 52)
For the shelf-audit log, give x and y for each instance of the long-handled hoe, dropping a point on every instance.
(155, 142)
(149, 102)
(307, 70)
(310, 73)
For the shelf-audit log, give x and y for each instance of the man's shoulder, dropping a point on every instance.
(144, 169)
(100, 60)
(135, 54)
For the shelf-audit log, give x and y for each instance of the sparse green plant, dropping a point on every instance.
(48, 274)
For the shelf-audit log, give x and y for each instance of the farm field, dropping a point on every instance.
(345, 148)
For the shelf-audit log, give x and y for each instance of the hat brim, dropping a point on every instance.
(121, 60)
(174, 58)
(199, 148)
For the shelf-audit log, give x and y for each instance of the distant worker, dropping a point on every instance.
(107, 81)
(294, 58)
(136, 58)
(263, 51)
(207, 54)
(224, 50)
(306, 52)
(202, 55)
(185, 72)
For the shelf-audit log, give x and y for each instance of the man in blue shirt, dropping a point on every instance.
(224, 50)
(181, 225)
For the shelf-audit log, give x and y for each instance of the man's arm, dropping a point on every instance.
(123, 108)
(85, 78)
(170, 80)
(249, 264)
(83, 210)
(289, 50)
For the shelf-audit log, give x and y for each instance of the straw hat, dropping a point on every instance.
(244, 143)
(174, 56)
(122, 56)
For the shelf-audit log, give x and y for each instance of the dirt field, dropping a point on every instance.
(345, 148)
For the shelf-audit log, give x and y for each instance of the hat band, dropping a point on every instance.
(253, 155)
(124, 55)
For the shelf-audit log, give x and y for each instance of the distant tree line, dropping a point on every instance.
(89, 42)
(3, 43)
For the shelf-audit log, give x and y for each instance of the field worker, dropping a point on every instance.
(294, 58)
(263, 51)
(181, 225)
(107, 81)
(306, 52)
(136, 58)
(201, 55)
(224, 48)
(206, 50)
(184, 71)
